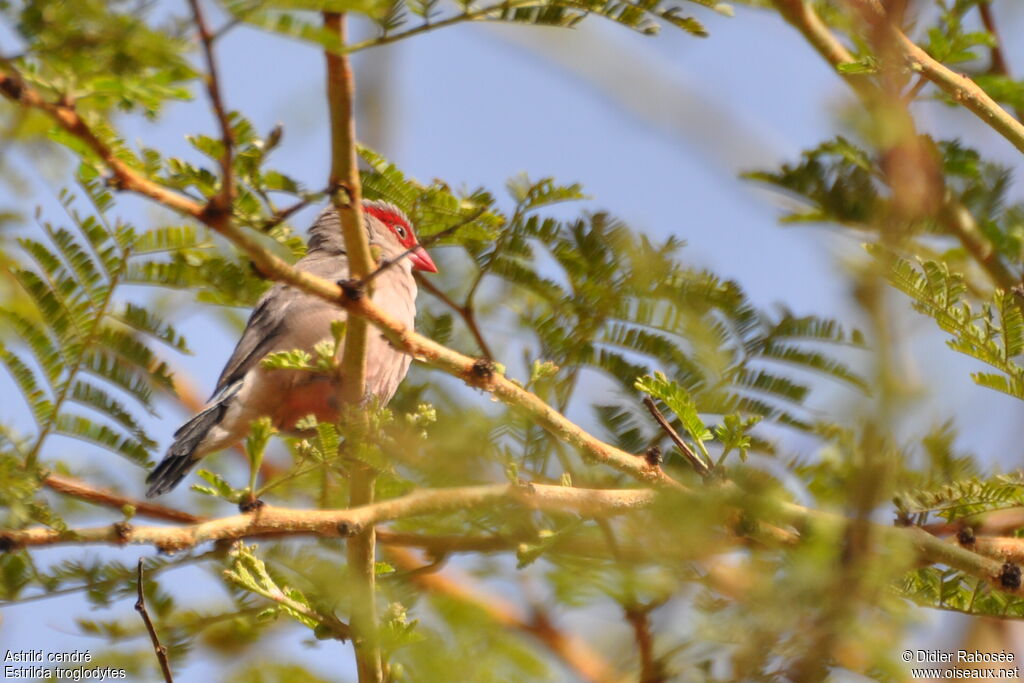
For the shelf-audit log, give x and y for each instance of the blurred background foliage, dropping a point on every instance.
(581, 307)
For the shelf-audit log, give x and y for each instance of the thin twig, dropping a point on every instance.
(703, 468)
(281, 215)
(76, 488)
(161, 651)
(467, 314)
(915, 90)
(224, 198)
(999, 64)
(651, 669)
(474, 15)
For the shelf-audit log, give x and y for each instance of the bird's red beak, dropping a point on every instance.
(421, 260)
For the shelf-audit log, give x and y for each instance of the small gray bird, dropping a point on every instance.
(287, 318)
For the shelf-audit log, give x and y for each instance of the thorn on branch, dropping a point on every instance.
(352, 288)
(966, 536)
(115, 182)
(11, 88)
(346, 529)
(745, 526)
(1010, 576)
(654, 456)
(903, 519)
(483, 370)
(525, 486)
(215, 212)
(123, 530)
(247, 505)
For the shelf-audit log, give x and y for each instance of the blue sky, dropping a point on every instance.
(655, 129)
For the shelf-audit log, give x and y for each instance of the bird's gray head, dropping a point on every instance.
(386, 226)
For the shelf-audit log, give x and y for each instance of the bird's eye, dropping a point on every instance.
(401, 231)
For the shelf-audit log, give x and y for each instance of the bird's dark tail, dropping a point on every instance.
(181, 456)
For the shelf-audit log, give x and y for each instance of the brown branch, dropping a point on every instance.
(999, 64)
(14, 88)
(161, 651)
(465, 312)
(223, 200)
(269, 520)
(960, 87)
(953, 215)
(571, 650)
(281, 215)
(651, 669)
(1003, 548)
(703, 468)
(957, 219)
(75, 488)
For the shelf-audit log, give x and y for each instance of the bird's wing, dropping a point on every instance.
(269, 320)
(262, 332)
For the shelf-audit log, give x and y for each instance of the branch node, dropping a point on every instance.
(341, 194)
(653, 456)
(250, 505)
(525, 486)
(214, 212)
(352, 288)
(346, 529)
(115, 182)
(11, 88)
(7, 545)
(123, 530)
(483, 370)
(1010, 576)
(966, 536)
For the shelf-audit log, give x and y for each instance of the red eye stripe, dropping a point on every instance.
(394, 220)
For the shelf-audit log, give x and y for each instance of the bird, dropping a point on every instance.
(287, 318)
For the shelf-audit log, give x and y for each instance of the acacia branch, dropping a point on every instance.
(269, 520)
(347, 200)
(639, 617)
(222, 201)
(960, 87)
(64, 113)
(75, 488)
(158, 648)
(953, 216)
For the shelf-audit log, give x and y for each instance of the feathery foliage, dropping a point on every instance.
(775, 569)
